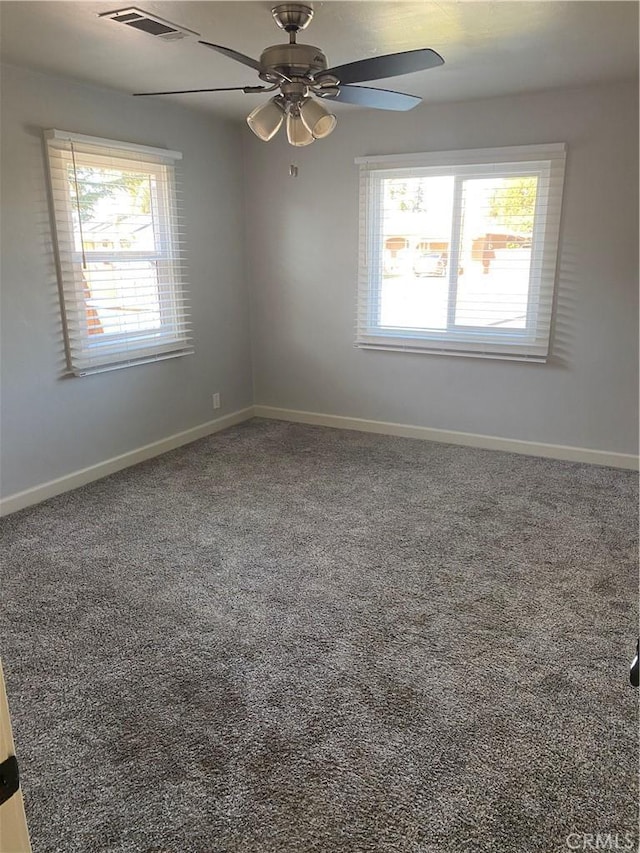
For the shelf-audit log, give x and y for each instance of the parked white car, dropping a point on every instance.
(430, 264)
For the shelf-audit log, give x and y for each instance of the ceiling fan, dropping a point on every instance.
(299, 73)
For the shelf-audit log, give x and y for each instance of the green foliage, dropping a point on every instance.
(513, 204)
(90, 185)
(406, 195)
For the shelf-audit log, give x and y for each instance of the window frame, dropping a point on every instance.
(88, 353)
(546, 162)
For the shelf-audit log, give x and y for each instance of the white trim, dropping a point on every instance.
(20, 500)
(544, 162)
(508, 356)
(36, 494)
(508, 153)
(67, 136)
(567, 453)
(160, 264)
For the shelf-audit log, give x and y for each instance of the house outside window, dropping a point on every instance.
(118, 251)
(458, 251)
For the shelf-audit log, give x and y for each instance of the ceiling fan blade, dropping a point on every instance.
(381, 67)
(233, 54)
(378, 99)
(246, 89)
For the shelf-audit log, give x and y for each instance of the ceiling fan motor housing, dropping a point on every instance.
(293, 60)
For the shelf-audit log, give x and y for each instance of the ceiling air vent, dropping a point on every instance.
(139, 20)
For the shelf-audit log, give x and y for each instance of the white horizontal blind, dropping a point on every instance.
(121, 265)
(458, 251)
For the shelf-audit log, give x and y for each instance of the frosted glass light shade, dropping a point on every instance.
(298, 133)
(317, 118)
(265, 120)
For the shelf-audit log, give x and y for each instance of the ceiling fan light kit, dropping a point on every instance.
(317, 118)
(266, 120)
(300, 73)
(298, 133)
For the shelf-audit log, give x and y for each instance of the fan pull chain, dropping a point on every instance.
(293, 171)
(75, 181)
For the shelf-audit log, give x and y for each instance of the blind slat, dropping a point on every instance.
(457, 250)
(119, 247)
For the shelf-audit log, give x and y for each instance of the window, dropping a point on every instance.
(458, 251)
(118, 251)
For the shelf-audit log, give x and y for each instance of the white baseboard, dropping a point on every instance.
(20, 500)
(102, 469)
(468, 439)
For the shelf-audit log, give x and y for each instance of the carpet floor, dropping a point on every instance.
(290, 639)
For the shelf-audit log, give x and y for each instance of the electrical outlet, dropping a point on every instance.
(216, 401)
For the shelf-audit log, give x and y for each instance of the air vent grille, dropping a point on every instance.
(151, 24)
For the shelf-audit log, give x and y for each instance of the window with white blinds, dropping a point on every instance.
(119, 252)
(458, 251)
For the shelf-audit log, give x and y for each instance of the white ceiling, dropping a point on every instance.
(490, 48)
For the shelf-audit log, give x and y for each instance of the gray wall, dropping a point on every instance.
(299, 237)
(52, 426)
(302, 246)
